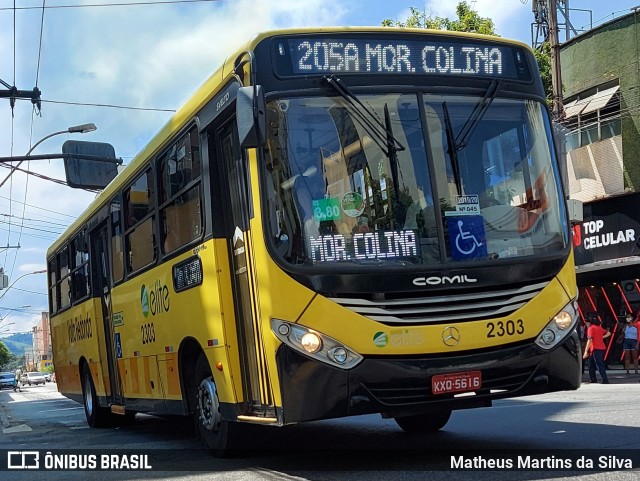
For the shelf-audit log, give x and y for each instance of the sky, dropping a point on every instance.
(126, 68)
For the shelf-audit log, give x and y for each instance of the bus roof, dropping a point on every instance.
(207, 90)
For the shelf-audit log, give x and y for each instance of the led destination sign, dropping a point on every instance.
(390, 56)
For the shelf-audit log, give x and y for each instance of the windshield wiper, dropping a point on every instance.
(393, 163)
(478, 112)
(383, 134)
(451, 147)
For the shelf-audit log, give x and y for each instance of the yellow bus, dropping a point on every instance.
(340, 221)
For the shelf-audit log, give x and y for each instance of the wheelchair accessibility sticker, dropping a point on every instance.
(466, 237)
(118, 346)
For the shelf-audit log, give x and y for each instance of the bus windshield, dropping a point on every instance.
(407, 178)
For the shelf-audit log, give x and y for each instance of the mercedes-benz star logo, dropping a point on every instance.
(450, 336)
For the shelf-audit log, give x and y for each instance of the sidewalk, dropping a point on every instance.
(616, 375)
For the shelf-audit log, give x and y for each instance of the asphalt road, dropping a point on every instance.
(598, 422)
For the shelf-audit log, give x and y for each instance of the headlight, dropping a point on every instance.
(311, 342)
(563, 320)
(558, 328)
(315, 344)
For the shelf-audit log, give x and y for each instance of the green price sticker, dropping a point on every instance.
(326, 209)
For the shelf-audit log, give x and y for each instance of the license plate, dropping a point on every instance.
(456, 382)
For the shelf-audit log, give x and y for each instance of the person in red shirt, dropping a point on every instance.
(595, 348)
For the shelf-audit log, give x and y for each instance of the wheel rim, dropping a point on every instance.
(88, 396)
(208, 406)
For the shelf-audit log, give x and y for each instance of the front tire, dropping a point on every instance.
(423, 423)
(217, 434)
(97, 417)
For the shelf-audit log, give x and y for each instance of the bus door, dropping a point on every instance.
(100, 261)
(234, 172)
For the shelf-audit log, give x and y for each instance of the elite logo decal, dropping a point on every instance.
(154, 301)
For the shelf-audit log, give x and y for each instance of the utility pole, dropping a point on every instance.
(556, 76)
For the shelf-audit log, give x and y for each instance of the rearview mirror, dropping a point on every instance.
(251, 116)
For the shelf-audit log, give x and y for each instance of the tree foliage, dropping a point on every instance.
(543, 57)
(470, 21)
(5, 355)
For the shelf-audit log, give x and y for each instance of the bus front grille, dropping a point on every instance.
(443, 309)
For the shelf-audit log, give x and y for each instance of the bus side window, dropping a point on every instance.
(179, 194)
(65, 278)
(80, 265)
(141, 245)
(140, 208)
(117, 249)
(54, 288)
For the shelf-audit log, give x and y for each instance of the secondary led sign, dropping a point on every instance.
(364, 246)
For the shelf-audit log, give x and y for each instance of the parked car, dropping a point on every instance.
(33, 378)
(47, 376)
(6, 379)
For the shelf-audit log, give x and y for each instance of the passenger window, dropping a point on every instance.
(54, 295)
(80, 259)
(140, 207)
(180, 199)
(117, 249)
(139, 199)
(65, 278)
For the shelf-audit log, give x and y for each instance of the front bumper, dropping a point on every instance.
(400, 386)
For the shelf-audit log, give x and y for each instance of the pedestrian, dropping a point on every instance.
(630, 344)
(595, 348)
(582, 334)
(17, 379)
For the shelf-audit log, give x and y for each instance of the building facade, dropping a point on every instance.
(41, 355)
(601, 89)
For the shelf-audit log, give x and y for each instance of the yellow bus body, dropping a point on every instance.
(157, 340)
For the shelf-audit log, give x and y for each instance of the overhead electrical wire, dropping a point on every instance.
(44, 221)
(112, 106)
(42, 176)
(45, 231)
(44, 209)
(119, 4)
(107, 105)
(43, 236)
(40, 43)
(12, 111)
(22, 226)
